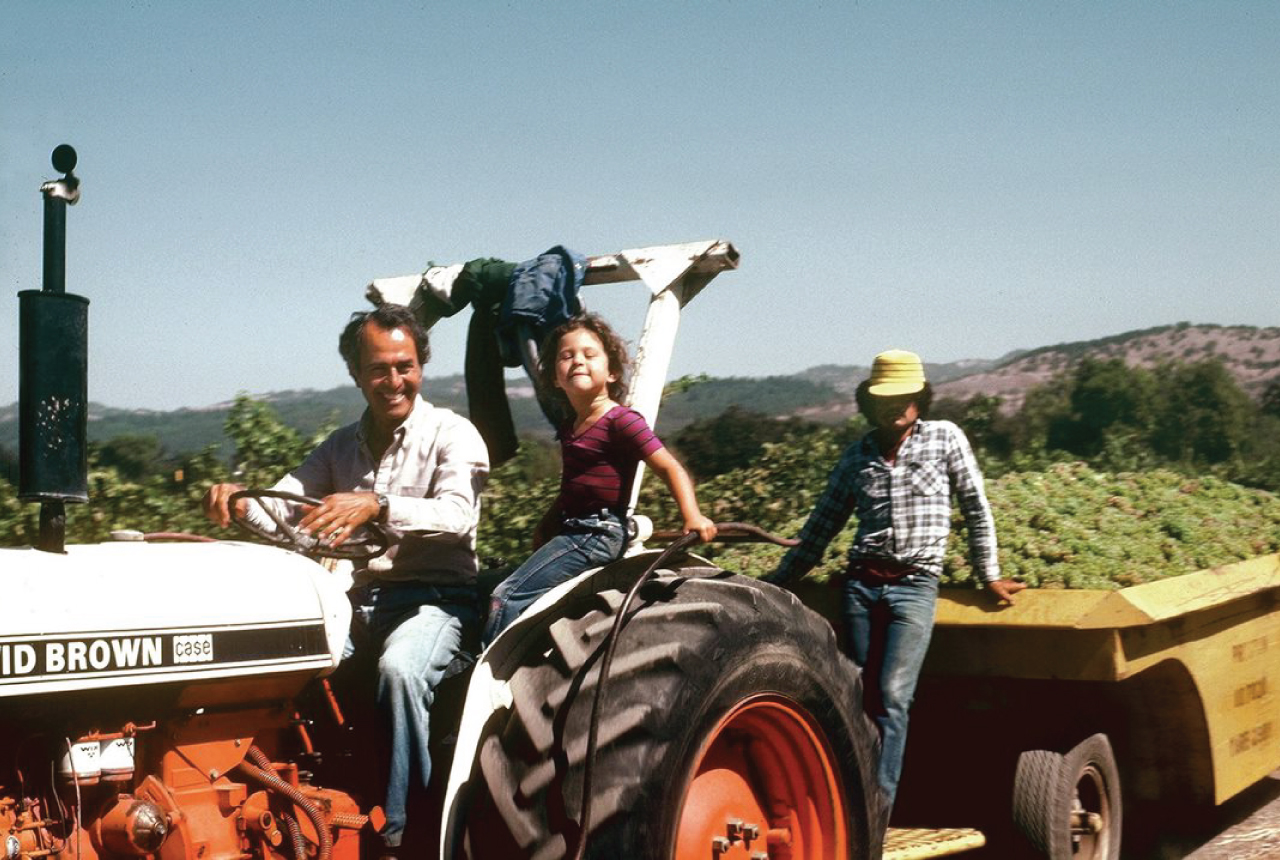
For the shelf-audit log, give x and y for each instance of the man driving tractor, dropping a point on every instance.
(417, 471)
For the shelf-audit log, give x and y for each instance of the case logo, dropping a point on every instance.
(196, 648)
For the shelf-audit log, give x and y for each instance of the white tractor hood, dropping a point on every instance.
(127, 613)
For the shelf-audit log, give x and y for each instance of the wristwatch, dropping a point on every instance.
(384, 508)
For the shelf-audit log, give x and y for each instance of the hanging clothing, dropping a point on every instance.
(514, 307)
(482, 283)
(542, 294)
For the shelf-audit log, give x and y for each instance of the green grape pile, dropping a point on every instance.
(1073, 527)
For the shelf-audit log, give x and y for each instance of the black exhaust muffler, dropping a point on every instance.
(53, 345)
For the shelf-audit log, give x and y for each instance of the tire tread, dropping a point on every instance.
(682, 629)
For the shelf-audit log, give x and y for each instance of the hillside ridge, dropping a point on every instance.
(822, 393)
(1249, 353)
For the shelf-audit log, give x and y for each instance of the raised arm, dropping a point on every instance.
(677, 480)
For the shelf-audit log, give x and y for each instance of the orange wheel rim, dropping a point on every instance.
(763, 783)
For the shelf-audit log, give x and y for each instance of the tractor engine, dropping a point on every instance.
(147, 704)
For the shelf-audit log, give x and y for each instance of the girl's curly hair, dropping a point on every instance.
(614, 348)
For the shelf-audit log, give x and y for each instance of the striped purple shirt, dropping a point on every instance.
(599, 464)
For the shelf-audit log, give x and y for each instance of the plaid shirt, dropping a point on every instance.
(903, 510)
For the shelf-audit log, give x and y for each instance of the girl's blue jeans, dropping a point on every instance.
(888, 628)
(583, 543)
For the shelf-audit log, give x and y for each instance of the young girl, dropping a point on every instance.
(583, 361)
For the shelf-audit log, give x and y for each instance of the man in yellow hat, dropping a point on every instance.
(898, 480)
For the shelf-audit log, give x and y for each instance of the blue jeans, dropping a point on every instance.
(417, 630)
(582, 544)
(888, 628)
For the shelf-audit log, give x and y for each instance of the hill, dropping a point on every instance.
(821, 393)
(1250, 354)
(844, 380)
(189, 430)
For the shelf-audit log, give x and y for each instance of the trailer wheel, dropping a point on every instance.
(1068, 807)
(1037, 785)
(1096, 807)
(730, 722)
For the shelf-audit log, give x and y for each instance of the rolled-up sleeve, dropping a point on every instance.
(432, 475)
(313, 478)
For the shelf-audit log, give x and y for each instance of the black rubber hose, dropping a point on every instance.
(610, 644)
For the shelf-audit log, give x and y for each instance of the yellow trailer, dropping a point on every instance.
(1096, 713)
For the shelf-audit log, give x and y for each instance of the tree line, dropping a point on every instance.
(1191, 419)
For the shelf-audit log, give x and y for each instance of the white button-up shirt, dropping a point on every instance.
(431, 473)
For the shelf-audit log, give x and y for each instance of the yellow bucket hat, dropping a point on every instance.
(896, 372)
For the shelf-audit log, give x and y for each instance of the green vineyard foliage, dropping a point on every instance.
(1071, 526)
(1059, 525)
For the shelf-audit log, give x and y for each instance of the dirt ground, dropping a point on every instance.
(1245, 828)
(1250, 827)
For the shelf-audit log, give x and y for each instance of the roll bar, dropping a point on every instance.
(674, 274)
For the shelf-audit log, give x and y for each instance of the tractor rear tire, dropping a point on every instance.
(729, 714)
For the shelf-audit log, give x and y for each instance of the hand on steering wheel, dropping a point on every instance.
(372, 544)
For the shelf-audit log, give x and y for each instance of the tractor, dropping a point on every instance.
(160, 695)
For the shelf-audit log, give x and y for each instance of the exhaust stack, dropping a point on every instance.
(53, 348)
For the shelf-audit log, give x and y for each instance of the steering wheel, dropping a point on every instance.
(373, 543)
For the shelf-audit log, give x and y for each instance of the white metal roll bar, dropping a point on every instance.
(674, 274)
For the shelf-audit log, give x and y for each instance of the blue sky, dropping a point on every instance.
(961, 179)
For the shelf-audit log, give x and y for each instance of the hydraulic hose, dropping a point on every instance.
(296, 839)
(736, 531)
(264, 775)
